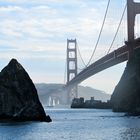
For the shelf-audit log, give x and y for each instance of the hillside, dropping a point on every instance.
(45, 90)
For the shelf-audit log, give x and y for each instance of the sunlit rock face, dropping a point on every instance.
(126, 96)
(18, 95)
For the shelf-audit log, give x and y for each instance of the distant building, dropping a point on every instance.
(77, 102)
(92, 103)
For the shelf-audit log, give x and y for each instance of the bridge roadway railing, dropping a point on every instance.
(117, 56)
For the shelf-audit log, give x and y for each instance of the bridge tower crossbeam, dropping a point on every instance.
(133, 8)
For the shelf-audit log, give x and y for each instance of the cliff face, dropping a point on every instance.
(18, 95)
(126, 96)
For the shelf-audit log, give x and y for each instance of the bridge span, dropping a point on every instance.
(118, 56)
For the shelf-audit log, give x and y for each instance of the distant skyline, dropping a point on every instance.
(35, 33)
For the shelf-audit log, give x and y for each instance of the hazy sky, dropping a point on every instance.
(35, 33)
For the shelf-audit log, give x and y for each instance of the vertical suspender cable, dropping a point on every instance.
(117, 29)
(81, 56)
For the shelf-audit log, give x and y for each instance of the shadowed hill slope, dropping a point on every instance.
(126, 96)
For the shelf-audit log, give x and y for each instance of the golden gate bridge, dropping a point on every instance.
(123, 53)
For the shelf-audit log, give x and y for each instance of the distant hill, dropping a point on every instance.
(45, 90)
(88, 92)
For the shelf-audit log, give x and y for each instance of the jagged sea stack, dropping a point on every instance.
(18, 95)
(126, 96)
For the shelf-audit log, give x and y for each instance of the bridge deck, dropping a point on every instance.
(118, 56)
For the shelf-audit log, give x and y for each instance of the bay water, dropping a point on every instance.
(75, 124)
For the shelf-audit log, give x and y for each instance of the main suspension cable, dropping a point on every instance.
(81, 56)
(99, 33)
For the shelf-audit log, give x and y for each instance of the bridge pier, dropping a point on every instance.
(71, 68)
(131, 46)
(72, 92)
(133, 8)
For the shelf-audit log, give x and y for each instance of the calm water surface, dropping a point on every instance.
(74, 124)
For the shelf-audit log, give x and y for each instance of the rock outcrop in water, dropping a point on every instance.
(18, 96)
(126, 96)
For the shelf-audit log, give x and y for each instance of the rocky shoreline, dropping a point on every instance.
(126, 96)
(6, 118)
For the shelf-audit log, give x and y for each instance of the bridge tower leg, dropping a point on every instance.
(71, 67)
(133, 8)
